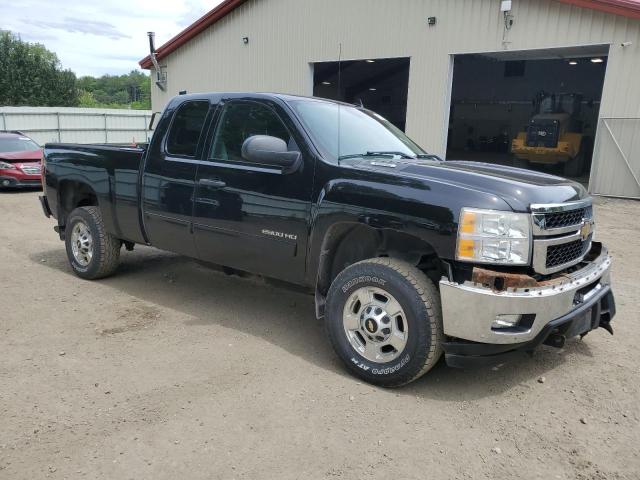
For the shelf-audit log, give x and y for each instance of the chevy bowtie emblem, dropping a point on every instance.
(587, 229)
(371, 326)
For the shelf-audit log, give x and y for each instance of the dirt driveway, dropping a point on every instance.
(169, 370)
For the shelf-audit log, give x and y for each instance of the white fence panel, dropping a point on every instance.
(77, 125)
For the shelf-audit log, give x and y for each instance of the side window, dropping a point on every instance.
(241, 120)
(186, 127)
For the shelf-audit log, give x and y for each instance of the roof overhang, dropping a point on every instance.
(625, 8)
(200, 25)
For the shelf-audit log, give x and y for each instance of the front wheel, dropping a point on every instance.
(384, 320)
(93, 253)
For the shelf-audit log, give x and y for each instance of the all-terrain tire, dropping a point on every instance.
(105, 247)
(420, 301)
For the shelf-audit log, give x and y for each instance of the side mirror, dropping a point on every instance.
(267, 150)
(152, 122)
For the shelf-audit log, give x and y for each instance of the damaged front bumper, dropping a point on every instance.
(550, 311)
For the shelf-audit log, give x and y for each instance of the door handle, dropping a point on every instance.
(211, 183)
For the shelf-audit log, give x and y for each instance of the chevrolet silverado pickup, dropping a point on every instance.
(409, 257)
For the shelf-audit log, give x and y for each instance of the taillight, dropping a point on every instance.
(42, 168)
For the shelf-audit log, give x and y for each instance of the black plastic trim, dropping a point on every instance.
(45, 206)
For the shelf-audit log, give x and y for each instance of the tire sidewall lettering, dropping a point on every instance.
(382, 371)
(362, 279)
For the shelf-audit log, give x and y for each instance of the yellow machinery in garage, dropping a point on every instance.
(554, 135)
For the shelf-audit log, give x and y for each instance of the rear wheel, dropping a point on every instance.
(93, 253)
(383, 318)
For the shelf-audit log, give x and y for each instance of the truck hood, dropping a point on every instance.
(518, 187)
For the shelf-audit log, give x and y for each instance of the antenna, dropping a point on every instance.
(339, 93)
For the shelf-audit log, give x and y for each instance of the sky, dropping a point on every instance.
(99, 37)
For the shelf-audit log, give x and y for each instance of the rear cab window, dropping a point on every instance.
(186, 128)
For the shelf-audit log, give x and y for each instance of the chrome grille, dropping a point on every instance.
(565, 219)
(566, 252)
(562, 235)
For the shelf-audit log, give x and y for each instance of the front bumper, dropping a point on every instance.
(555, 307)
(19, 182)
(563, 152)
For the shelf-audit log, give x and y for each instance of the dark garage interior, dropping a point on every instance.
(544, 99)
(380, 84)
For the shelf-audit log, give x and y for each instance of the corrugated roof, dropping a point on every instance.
(626, 8)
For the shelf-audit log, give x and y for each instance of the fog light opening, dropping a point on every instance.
(513, 322)
(504, 321)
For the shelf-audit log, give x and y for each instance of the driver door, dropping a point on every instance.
(249, 216)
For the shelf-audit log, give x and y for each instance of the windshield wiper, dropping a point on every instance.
(429, 156)
(377, 154)
(400, 154)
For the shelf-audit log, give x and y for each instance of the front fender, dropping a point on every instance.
(427, 211)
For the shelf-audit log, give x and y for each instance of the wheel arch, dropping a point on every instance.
(71, 195)
(346, 243)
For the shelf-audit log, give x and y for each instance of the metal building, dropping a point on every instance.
(457, 75)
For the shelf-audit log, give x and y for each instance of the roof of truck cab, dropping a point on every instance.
(625, 8)
(217, 96)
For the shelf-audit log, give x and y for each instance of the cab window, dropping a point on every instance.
(241, 120)
(186, 128)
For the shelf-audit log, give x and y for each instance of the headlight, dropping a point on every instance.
(6, 166)
(490, 236)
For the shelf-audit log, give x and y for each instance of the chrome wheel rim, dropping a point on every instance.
(375, 324)
(81, 243)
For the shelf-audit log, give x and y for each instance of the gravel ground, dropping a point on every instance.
(170, 370)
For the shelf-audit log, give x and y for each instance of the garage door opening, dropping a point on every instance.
(381, 84)
(534, 109)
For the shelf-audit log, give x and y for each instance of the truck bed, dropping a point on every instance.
(113, 174)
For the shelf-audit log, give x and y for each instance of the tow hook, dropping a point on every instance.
(555, 340)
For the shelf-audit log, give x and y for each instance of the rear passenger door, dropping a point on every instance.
(168, 182)
(249, 216)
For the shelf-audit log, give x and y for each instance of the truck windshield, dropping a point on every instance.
(362, 132)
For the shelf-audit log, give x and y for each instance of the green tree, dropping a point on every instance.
(132, 90)
(32, 75)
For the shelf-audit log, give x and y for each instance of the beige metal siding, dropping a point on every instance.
(286, 36)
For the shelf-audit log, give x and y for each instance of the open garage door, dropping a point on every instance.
(535, 109)
(380, 84)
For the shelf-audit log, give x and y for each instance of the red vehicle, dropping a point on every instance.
(20, 160)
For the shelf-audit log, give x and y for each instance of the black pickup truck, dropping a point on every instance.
(408, 256)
